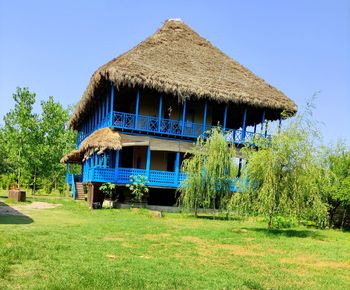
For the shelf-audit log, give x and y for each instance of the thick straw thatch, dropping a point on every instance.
(101, 140)
(178, 61)
(72, 157)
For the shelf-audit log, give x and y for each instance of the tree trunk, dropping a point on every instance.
(343, 219)
(34, 182)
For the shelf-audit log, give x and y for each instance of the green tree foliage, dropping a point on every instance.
(283, 175)
(138, 187)
(334, 182)
(210, 173)
(32, 144)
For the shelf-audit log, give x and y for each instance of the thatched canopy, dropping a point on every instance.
(178, 61)
(101, 140)
(74, 156)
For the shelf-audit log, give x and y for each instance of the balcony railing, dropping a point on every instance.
(169, 127)
(122, 175)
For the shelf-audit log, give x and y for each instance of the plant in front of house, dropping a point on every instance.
(138, 187)
(108, 190)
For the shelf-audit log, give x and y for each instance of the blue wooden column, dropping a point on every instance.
(254, 128)
(225, 117)
(205, 116)
(116, 164)
(103, 108)
(137, 107)
(148, 161)
(112, 105)
(160, 109)
(183, 117)
(99, 106)
(177, 169)
(279, 124)
(262, 122)
(244, 124)
(104, 159)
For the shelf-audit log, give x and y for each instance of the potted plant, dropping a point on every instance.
(108, 190)
(138, 188)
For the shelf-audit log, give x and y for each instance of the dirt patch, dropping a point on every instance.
(112, 257)
(156, 237)
(312, 261)
(113, 239)
(239, 250)
(16, 209)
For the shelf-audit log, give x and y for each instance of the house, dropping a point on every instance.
(142, 111)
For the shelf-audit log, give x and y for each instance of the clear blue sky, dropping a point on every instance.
(300, 47)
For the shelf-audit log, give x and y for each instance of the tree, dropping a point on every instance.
(138, 187)
(210, 172)
(283, 174)
(21, 125)
(335, 181)
(56, 140)
(108, 189)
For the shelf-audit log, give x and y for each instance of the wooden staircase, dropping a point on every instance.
(79, 191)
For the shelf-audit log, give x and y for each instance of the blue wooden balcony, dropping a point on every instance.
(170, 128)
(156, 178)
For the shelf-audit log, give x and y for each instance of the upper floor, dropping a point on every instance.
(145, 111)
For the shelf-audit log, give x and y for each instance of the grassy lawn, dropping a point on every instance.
(72, 247)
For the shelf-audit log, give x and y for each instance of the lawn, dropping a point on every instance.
(72, 247)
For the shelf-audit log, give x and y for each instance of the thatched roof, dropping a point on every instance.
(101, 140)
(74, 156)
(178, 61)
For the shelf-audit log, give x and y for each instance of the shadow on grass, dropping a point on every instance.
(292, 233)
(9, 215)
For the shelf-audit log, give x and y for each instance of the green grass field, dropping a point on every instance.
(72, 247)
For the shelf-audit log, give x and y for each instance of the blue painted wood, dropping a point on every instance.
(205, 116)
(254, 128)
(104, 159)
(99, 107)
(183, 117)
(103, 108)
(112, 105)
(225, 116)
(160, 110)
(177, 167)
(148, 161)
(107, 104)
(137, 108)
(279, 124)
(262, 122)
(244, 125)
(117, 153)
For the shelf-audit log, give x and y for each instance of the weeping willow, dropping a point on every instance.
(211, 172)
(283, 176)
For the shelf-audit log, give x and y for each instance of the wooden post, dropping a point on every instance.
(177, 168)
(137, 107)
(183, 116)
(116, 164)
(225, 117)
(112, 106)
(279, 124)
(262, 122)
(205, 116)
(104, 159)
(99, 106)
(239, 168)
(244, 125)
(160, 112)
(254, 128)
(148, 161)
